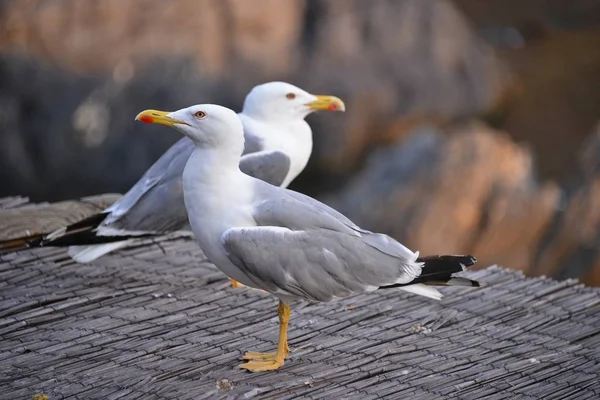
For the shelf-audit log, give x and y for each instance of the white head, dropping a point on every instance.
(208, 125)
(280, 100)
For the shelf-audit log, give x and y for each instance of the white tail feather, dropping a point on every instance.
(86, 254)
(422, 290)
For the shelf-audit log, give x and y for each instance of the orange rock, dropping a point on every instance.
(572, 247)
(468, 190)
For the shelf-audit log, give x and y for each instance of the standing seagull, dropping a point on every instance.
(278, 146)
(281, 241)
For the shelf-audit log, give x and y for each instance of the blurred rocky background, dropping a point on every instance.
(471, 126)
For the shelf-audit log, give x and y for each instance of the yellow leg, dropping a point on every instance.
(235, 284)
(270, 361)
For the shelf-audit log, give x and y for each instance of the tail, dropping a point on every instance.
(82, 238)
(438, 271)
(87, 254)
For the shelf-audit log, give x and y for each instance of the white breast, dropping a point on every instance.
(293, 139)
(216, 200)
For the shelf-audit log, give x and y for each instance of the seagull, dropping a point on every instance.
(283, 242)
(277, 148)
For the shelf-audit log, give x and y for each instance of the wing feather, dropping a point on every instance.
(296, 211)
(268, 166)
(159, 191)
(316, 264)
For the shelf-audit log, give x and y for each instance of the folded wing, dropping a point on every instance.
(315, 264)
(268, 166)
(302, 248)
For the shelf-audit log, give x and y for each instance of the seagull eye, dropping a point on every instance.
(200, 114)
(290, 96)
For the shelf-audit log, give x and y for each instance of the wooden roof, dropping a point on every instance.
(158, 321)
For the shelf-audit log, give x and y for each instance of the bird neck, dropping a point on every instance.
(296, 141)
(213, 185)
(292, 137)
(208, 164)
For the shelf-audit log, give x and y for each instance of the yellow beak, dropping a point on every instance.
(157, 117)
(327, 103)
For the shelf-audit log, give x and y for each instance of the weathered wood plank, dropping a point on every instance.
(17, 218)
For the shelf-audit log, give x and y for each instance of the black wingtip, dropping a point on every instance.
(469, 261)
(475, 283)
(459, 281)
(464, 260)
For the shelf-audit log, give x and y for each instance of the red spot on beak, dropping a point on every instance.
(147, 119)
(333, 107)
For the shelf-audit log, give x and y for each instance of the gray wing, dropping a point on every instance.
(304, 248)
(314, 264)
(155, 202)
(271, 166)
(287, 208)
(252, 142)
(268, 166)
(322, 207)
